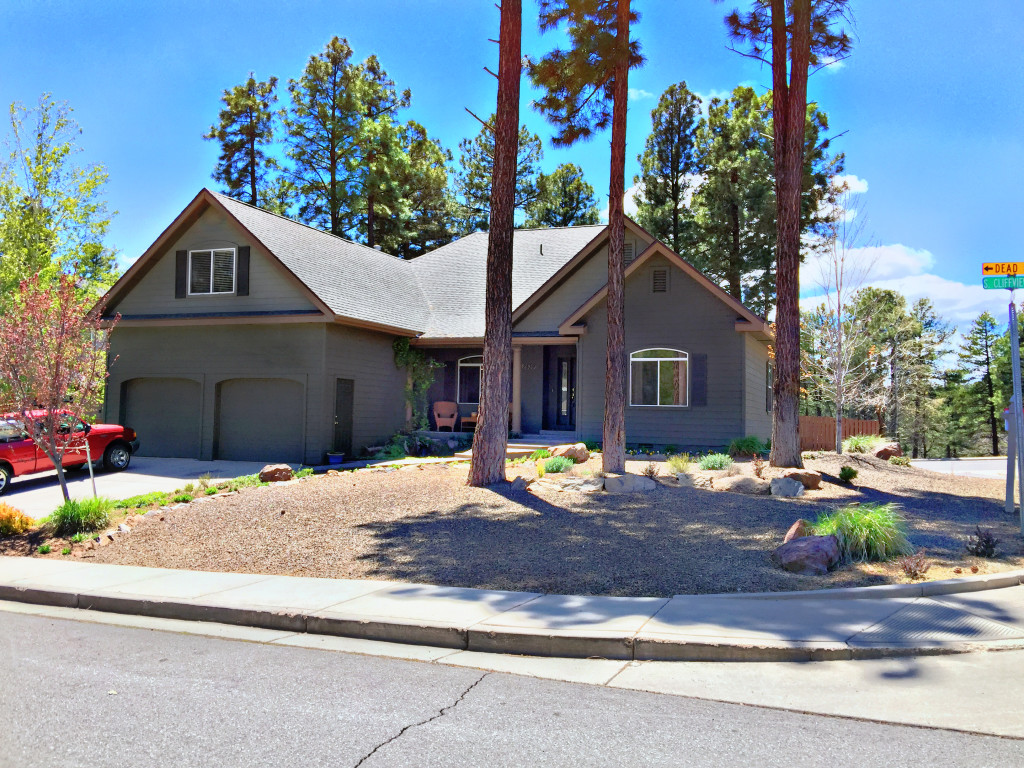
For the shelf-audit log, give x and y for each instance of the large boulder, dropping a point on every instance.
(797, 530)
(754, 486)
(810, 479)
(887, 451)
(785, 486)
(275, 473)
(628, 483)
(577, 452)
(808, 555)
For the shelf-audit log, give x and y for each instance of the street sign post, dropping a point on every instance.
(1008, 282)
(1002, 268)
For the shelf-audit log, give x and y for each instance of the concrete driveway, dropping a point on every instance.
(994, 468)
(38, 495)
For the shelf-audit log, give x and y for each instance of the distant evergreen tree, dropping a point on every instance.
(977, 358)
(564, 199)
(245, 133)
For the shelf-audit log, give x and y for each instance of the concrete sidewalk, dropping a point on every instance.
(875, 622)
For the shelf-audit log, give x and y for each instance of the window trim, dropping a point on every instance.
(458, 377)
(211, 292)
(681, 356)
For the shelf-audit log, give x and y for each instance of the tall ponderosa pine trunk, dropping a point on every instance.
(491, 440)
(613, 457)
(790, 108)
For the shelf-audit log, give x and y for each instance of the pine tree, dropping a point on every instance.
(585, 91)
(669, 167)
(245, 132)
(476, 168)
(564, 199)
(977, 358)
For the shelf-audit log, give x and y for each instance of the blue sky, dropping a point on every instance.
(929, 102)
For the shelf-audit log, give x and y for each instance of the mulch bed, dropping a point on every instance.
(425, 525)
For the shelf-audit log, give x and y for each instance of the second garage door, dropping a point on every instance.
(166, 414)
(260, 420)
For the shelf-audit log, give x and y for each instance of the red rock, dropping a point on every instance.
(275, 473)
(887, 451)
(797, 530)
(810, 479)
(577, 452)
(809, 555)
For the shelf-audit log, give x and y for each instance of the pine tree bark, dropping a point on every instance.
(789, 107)
(613, 455)
(490, 442)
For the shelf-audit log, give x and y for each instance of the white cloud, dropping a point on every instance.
(638, 94)
(832, 64)
(854, 184)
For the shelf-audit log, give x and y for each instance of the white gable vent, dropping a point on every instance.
(659, 281)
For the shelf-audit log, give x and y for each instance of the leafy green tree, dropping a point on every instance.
(669, 167)
(976, 356)
(53, 218)
(585, 89)
(790, 36)
(245, 133)
(476, 168)
(564, 199)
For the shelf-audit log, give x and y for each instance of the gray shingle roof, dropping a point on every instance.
(440, 294)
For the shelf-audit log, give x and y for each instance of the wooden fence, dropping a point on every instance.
(818, 433)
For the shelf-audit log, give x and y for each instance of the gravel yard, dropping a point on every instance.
(423, 524)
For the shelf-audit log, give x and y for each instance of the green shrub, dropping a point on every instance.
(182, 498)
(558, 464)
(13, 521)
(78, 538)
(210, 491)
(747, 446)
(189, 489)
(670, 449)
(66, 551)
(847, 473)
(245, 481)
(862, 443)
(716, 461)
(592, 446)
(900, 461)
(868, 532)
(44, 549)
(681, 462)
(304, 472)
(81, 515)
(158, 498)
(541, 453)
(982, 543)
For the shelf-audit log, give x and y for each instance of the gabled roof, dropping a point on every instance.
(745, 319)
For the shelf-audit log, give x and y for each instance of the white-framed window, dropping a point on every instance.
(659, 377)
(469, 379)
(211, 271)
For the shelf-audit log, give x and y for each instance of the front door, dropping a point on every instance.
(343, 416)
(560, 388)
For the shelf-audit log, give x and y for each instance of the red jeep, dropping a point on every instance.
(19, 455)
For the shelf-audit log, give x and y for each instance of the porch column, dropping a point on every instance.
(517, 389)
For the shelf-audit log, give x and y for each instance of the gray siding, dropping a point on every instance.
(210, 355)
(689, 318)
(270, 288)
(758, 420)
(587, 280)
(366, 357)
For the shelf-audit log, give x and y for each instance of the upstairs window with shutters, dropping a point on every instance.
(211, 272)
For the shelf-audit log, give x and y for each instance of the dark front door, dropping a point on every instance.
(343, 399)
(560, 388)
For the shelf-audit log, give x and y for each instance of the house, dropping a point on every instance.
(245, 335)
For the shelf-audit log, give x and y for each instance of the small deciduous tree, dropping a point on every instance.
(53, 359)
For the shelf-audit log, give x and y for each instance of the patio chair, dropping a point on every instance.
(445, 415)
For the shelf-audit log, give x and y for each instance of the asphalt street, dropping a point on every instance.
(994, 468)
(83, 694)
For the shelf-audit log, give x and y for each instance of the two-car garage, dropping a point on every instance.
(253, 419)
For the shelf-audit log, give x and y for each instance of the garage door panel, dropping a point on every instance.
(260, 420)
(165, 412)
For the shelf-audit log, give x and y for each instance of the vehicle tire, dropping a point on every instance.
(5, 478)
(117, 457)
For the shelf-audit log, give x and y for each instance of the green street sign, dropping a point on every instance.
(1003, 281)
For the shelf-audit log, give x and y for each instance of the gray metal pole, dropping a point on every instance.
(1011, 452)
(1018, 412)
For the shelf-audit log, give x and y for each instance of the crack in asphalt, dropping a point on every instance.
(440, 713)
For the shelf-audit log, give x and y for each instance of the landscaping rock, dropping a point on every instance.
(786, 486)
(275, 473)
(685, 479)
(628, 484)
(810, 479)
(797, 530)
(577, 452)
(887, 451)
(741, 484)
(520, 484)
(808, 555)
(122, 528)
(583, 484)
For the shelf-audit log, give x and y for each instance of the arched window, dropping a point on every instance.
(469, 379)
(659, 377)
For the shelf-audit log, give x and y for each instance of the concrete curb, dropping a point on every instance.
(635, 642)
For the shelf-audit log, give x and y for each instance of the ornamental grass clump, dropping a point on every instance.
(679, 463)
(558, 464)
(81, 515)
(868, 532)
(747, 446)
(861, 443)
(716, 461)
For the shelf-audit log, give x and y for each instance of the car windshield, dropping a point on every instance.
(10, 430)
